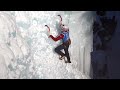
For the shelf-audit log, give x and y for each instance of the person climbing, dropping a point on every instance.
(64, 35)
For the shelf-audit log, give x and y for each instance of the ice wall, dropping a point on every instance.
(81, 35)
(12, 45)
(30, 53)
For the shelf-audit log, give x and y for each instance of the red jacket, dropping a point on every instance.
(61, 36)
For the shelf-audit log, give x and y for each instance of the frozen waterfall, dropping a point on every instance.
(26, 52)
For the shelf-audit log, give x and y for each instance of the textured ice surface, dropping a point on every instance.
(27, 52)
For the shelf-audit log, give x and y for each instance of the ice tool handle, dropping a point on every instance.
(48, 28)
(60, 17)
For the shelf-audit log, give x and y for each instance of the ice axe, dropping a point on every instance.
(60, 17)
(48, 29)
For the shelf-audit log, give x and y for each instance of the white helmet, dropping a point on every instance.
(65, 28)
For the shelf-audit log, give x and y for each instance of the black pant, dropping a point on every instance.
(65, 47)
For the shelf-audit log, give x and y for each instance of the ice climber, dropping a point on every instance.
(64, 36)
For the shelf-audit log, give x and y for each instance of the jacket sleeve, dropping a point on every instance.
(57, 38)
